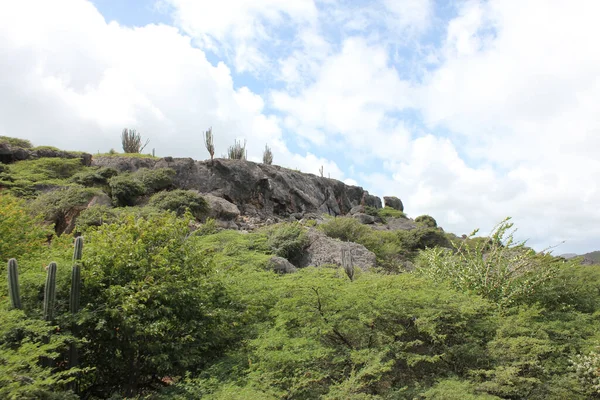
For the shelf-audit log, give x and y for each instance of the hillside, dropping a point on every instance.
(131, 276)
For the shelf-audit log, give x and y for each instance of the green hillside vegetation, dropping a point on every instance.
(169, 306)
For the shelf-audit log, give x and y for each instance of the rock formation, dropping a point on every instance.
(258, 190)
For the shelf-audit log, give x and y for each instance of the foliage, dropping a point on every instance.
(179, 201)
(16, 142)
(267, 155)
(20, 232)
(237, 151)
(287, 240)
(125, 189)
(344, 228)
(55, 205)
(94, 176)
(132, 141)
(454, 389)
(127, 155)
(155, 180)
(389, 212)
(23, 342)
(587, 370)
(506, 273)
(150, 307)
(426, 220)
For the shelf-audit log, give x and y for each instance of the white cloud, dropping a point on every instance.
(76, 82)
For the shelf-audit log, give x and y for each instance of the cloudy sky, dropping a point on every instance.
(469, 111)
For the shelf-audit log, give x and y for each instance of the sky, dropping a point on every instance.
(469, 111)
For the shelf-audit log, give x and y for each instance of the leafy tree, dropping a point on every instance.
(150, 308)
(125, 189)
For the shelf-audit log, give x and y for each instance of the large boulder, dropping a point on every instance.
(393, 202)
(325, 250)
(281, 265)
(256, 189)
(364, 218)
(221, 208)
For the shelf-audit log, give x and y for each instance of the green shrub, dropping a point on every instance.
(344, 228)
(46, 169)
(390, 213)
(507, 273)
(16, 142)
(287, 240)
(94, 176)
(426, 220)
(53, 206)
(51, 148)
(96, 216)
(125, 189)
(179, 201)
(155, 180)
(20, 233)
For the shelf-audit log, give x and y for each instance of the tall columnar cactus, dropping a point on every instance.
(347, 263)
(13, 284)
(76, 276)
(50, 292)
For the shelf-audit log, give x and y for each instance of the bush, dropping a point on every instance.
(55, 205)
(94, 176)
(16, 142)
(45, 169)
(155, 180)
(179, 201)
(507, 273)
(96, 216)
(427, 221)
(287, 240)
(390, 212)
(20, 233)
(344, 228)
(125, 189)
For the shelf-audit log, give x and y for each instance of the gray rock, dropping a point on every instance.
(324, 250)
(364, 218)
(281, 265)
(398, 224)
(221, 208)
(227, 225)
(393, 202)
(357, 209)
(101, 199)
(256, 189)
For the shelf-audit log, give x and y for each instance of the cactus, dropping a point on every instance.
(50, 292)
(13, 284)
(347, 263)
(76, 276)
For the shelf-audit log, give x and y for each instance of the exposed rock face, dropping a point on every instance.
(393, 202)
(10, 154)
(325, 250)
(397, 224)
(256, 189)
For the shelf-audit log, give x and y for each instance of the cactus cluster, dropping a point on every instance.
(50, 286)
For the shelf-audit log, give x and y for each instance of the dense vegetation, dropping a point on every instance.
(173, 309)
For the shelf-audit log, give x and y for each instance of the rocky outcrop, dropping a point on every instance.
(256, 189)
(220, 208)
(393, 202)
(364, 218)
(10, 154)
(398, 224)
(324, 250)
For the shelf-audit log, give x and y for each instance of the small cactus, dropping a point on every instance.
(13, 284)
(347, 263)
(50, 292)
(76, 277)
